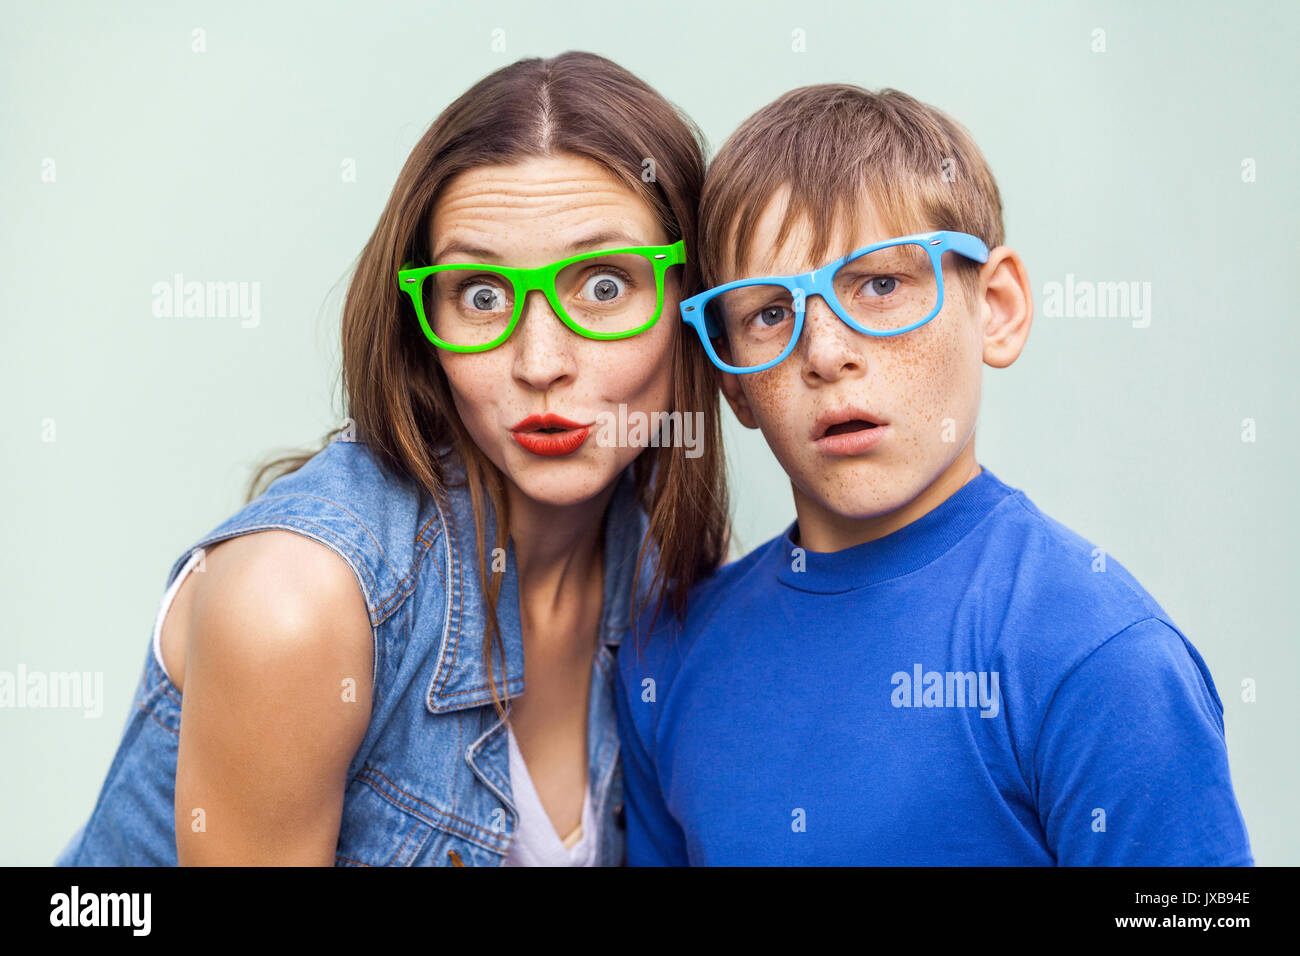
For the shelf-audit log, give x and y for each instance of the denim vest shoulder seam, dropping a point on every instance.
(254, 512)
(317, 533)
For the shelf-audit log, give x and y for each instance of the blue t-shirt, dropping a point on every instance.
(981, 687)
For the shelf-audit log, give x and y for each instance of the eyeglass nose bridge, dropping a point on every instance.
(800, 294)
(523, 286)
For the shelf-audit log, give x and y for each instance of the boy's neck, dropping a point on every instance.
(820, 529)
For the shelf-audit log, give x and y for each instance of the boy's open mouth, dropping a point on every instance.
(844, 421)
(848, 431)
(844, 428)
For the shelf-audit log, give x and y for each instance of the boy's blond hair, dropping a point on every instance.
(829, 143)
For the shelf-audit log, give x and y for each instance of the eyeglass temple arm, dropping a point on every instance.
(968, 246)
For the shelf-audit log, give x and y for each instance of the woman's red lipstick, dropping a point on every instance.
(549, 435)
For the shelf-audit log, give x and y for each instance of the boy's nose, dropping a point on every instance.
(828, 346)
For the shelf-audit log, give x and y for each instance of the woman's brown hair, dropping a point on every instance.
(394, 387)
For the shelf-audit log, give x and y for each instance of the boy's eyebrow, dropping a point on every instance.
(770, 270)
(610, 237)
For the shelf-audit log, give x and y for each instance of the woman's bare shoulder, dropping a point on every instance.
(276, 700)
(270, 599)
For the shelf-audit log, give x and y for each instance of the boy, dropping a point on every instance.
(924, 668)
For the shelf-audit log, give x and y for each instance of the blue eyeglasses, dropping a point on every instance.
(887, 288)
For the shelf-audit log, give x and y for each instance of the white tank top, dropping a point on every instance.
(165, 603)
(536, 843)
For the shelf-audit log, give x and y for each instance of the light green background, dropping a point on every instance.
(225, 165)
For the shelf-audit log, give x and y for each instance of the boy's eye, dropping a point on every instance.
(879, 285)
(768, 317)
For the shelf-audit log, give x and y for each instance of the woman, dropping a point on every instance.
(344, 681)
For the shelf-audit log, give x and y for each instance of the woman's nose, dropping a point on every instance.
(543, 345)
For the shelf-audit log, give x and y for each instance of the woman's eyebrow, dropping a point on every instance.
(479, 254)
(476, 253)
(609, 238)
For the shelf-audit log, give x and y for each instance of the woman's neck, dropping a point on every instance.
(559, 553)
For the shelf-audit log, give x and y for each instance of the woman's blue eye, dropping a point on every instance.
(483, 297)
(603, 287)
(880, 285)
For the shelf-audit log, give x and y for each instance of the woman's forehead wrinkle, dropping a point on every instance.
(579, 203)
(538, 207)
(537, 184)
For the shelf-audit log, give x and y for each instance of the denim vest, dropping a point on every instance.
(430, 783)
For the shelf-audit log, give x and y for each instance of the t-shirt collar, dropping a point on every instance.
(901, 552)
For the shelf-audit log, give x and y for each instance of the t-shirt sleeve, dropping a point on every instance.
(654, 838)
(1131, 763)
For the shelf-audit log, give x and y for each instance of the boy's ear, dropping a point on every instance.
(737, 399)
(1006, 305)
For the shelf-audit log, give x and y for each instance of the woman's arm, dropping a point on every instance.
(276, 701)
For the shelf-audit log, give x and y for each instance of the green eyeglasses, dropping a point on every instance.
(613, 294)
